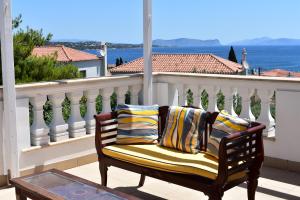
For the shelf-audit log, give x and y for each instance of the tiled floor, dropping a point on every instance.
(274, 184)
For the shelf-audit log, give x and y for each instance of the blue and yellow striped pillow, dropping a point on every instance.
(224, 125)
(137, 124)
(184, 129)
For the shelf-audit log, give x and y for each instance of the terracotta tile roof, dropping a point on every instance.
(188, 63)
(64, 54)
(280, 73)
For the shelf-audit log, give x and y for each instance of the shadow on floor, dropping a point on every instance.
(137, 193)
(281, 175)
(273, 192)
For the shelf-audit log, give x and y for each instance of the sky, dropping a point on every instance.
(121, 21)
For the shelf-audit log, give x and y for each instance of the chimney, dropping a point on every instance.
(103, 53)
(244, 61)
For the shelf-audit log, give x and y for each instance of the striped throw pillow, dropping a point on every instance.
(224, 125)
(137, 124)
(184, 129)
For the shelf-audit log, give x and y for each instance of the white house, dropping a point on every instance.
(89, 65)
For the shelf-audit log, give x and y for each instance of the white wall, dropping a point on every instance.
(286, 145)
(93, 68)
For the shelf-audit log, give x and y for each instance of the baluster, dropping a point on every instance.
(228, 92)
(39, 130)
(196, 90)
(121, 92)
(135, 89)
(181, 94)
(265, 116)
(58, 127)
(106, 94)
(246, 94)
(212, 98)
(76, 123)
(91, 96)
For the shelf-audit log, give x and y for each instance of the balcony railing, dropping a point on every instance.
(37, 136)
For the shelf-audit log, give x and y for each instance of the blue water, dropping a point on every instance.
(264, 57)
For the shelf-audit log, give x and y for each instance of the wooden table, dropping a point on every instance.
(57, 185)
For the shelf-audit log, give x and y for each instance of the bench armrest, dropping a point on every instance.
(241, 151)
(106, 127)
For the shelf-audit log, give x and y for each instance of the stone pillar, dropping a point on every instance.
(106, 94)
(91, 96)
(135, 89)
(58, 127)
(39, 130)
(121, 92)
(76, 123)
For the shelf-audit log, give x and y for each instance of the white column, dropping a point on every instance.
(9, 92)
(121, 92)
(212, 98)
(91, 96)
(106, 94)
(58, 127)
(147, 4)
(246, 94)
(265, 116)
(76, 123)
(134, 90)
(39, 130)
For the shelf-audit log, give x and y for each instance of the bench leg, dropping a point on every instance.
(251, 187)
(103, 172)
(215, 195)
(142, 180)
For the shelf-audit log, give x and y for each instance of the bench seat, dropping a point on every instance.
(167, 159)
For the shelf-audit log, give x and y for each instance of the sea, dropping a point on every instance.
(263, 57)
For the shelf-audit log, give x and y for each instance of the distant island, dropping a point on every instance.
(186, 42)
(266, 41)
(180, 42)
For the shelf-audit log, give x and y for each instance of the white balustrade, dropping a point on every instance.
(58, 127)
(246, 94)
(212, 98)
(121, 92)
(91, 96)
(196, 90)
(135, 90)
(265, 116)
(75, 121)
(181, 94)
(228, 93)
(106, 94)
(39, 130)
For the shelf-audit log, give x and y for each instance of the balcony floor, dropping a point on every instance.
(274, 184)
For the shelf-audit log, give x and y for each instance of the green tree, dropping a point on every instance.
(232, 56)
(121, 61)
(30, 68)
(117, 62)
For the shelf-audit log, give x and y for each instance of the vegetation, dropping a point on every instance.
(119, 61)
(232, 56)
(30, 68)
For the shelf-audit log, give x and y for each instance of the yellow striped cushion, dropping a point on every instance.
(137, 124)
(167, 159)
(184, 129)
(224, 125)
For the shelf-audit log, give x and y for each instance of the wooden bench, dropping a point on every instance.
(239, 153)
